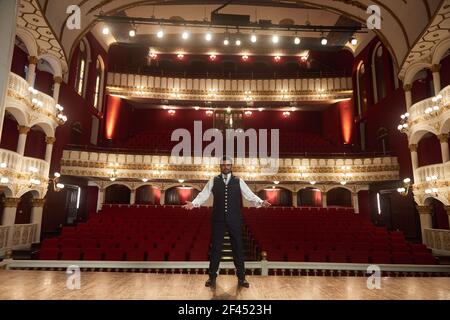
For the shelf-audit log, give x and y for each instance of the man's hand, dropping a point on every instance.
(266, 204)
(188, 205)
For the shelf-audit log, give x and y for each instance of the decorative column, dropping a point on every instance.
(436, 70)
(443, 138)
(324, 199)
(9, 218)
(37, 207)
(100, 198)
(8, 16)
(414, 159)
(447, 208)
(132, 196)
(56, 87)
(23, 132)
(294, 199)
(49, 149)
(355, 201)
(31, 76)
(426, 221)
(408, 95)
(162, 198)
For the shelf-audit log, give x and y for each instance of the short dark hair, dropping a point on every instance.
(226, 159)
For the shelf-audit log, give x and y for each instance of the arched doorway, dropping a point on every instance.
(309, 197)
(339, 197)
(438, 214)
(148, 195)
(117, 194)
(178, 195)
(278, 196)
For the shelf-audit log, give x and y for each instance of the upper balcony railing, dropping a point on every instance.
(21, 88)
(423, 108)
(176, 88)
(16, 164)
(441, 172)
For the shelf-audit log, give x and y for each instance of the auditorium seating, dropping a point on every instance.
(329, 235)
(134, 234)
(289, 142)
(169, 233)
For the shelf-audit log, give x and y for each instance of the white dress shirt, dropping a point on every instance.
(203, 196)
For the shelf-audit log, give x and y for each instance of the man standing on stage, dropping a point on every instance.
(227, 190)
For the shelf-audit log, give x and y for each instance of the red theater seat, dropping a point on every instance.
(93, 254)
(49, 254)
(70, 254)
(114, 254)
(135, 255)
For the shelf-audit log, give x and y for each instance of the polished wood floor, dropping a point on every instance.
(37, 285)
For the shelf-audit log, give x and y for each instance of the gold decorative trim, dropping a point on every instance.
(11, 202)
(38, 202)
(50, 140)
(23, 129)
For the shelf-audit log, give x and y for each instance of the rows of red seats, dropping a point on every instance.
(289, 142)
(329, 235)
(134, 234)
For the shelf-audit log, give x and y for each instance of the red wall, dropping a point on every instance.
(429, 151)
(338, 123)
(10, 136)
(19, 61)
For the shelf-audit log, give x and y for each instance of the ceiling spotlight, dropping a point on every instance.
(132, 33)
(105, 31)
(297, 40)
(160, 34)
(226, 42)
(324, 41)
(208, 36)
(238, 42)
(253, 38)
(354, 41)
(185, 35)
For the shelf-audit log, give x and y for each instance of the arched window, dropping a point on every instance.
(361, 88)
(99, 80)
(81, 68)
(378, 73)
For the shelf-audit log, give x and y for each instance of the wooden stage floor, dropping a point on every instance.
(37, 285)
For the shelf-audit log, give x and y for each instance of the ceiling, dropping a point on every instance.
(403, 22)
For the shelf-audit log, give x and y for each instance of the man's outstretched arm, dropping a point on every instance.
(202, 197)
(250, 196)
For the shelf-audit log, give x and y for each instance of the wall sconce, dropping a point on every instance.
(57, 187)
(33, 180)
(59, 114)
(403, 126)
(113, 172)
(404, 191)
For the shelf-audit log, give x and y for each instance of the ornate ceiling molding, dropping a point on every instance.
(31, 18)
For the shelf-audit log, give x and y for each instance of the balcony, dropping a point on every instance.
(30, 106)
(18, 171)
(430, 115)
(440, 171)
(127, 166)
(207, 89)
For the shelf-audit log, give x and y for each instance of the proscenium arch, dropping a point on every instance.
(331, 7)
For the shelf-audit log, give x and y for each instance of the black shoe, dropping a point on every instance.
(243, 283)
(211, 282)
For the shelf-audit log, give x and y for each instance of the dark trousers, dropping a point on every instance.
(218, 232)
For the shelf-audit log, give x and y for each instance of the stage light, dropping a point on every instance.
(253, 38)
(185, 35)
(275, 38)
(160, 34)
(105, 31)
(132, 33)
(324, 41)
(238, 42)
(297, 40)
(354, 41)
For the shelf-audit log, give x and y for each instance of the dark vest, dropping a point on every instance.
(227, 200)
